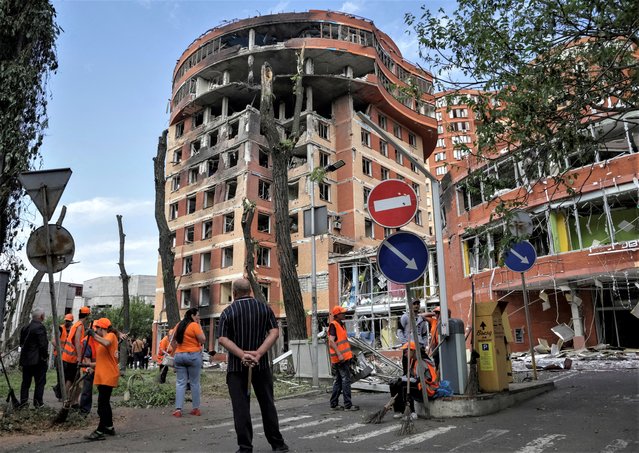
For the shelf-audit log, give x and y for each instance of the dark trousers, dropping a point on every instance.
(104, 407)
(262, 381)
(164, 369)
(341, 383)
(37, 373)
(86, 397)
(138, 360)
(398, 387)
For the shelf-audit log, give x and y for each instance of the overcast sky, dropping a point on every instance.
(109, 105)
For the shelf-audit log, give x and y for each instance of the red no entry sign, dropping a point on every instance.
(392, 203)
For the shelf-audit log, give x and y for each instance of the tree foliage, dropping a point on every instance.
(547, 73)
(140, 317)
(27, 56)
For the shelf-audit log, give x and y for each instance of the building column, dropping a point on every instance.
(251, 39)
(225, 107)
(309, 99)
(579, 340)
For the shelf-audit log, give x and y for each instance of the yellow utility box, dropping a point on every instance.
(490, 342)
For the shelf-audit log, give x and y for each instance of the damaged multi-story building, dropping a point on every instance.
(217, 157)
(585, 281)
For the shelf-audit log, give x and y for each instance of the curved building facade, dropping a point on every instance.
(217, 157)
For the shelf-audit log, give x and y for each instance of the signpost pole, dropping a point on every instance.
(420, 364)
(530, 337)
(54, 311)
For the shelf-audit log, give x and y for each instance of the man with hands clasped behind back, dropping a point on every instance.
(247, 330)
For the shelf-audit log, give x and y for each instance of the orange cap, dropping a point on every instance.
(68, 317)
(409, 344)
(102, 323)
(85, 310)
(338, 310)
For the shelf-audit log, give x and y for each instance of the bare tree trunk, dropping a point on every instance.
(165, 235)
(25, 314)
(125, 296)
(248, 211)
(280, 153)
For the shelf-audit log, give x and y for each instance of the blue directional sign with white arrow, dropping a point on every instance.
(402, 257)
(520, 256)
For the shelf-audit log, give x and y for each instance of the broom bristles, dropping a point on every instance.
(407, 426)
(378, 416)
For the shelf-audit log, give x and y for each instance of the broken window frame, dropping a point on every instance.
(367, 166)
(227, 257)
(324, 190)
(187, 265)
(231, 189)
(207, 229)
(264, 190)
(263, 256)
(189, 234)
(209, 197)
(263, 222)
(228, 222)
(205, 296)
(191, 204)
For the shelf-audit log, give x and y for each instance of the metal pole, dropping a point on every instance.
(314, 326)
(420, 365)
(54, 311)
(530, 338)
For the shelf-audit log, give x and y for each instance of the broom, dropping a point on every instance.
(11, 397)
(407, 427)
(378, 416)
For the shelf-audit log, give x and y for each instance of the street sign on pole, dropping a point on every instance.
(392, 203)
(52, 181)
(402, 257)
(520, 257)
(61, 246)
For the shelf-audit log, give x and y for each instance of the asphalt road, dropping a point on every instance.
(589, 411)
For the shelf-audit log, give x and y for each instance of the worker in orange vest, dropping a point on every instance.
(63, 332)
(341, 355)
(72, 349)
(90, 353)
(164, 349)
(398, 386)
(435, 323)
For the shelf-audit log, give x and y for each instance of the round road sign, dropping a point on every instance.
(392, 203)
(62, 248)
(402, 257)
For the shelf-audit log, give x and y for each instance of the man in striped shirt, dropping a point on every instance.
(247, 330)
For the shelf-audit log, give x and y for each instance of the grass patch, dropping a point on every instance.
(144, 391)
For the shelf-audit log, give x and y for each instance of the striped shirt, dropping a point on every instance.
(246, 322)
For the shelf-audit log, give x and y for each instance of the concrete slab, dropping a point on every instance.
(483, 404)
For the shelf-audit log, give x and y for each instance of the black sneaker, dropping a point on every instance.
(337, 408)
(352, 408)
(109, 431)
(281, 448)
(95, 435)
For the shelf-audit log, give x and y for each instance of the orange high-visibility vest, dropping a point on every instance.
(63, 338)
(69, 354)
(342, 343)
(430, 376)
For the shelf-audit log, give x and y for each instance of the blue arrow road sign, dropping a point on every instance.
(402, 257)
(520, 256)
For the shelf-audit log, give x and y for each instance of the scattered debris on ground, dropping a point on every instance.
(35, 421)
